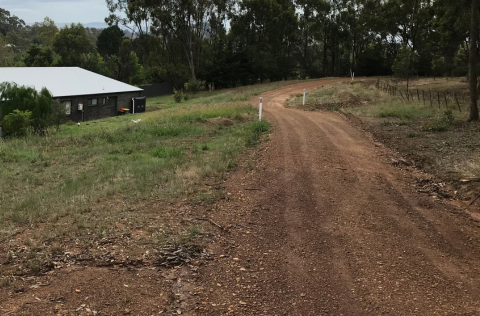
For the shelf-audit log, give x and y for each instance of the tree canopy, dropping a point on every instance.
(238, 42)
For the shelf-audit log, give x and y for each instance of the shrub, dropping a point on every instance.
(17, 123)
(256, 129)
(442, 124)
(186, 97)
(193, 86)
(57, 117)
(178, 96)
(23, 98)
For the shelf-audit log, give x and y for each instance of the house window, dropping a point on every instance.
(104, 100)
(68, 107)
(92, 101)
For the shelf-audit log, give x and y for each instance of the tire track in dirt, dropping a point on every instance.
(336, 230)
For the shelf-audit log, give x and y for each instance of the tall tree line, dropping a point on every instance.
(231, 42)
(238, 42)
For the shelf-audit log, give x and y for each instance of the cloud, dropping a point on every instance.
(61, 11)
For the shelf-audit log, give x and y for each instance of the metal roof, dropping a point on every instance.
(64, 81)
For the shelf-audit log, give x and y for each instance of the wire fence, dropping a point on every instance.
(447, 99)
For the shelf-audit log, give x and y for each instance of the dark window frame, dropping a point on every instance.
(90, 102)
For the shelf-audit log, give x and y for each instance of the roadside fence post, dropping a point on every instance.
(260, 110)
(303, 96)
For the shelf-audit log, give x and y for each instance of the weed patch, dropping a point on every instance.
(167, 152)
(442, 124)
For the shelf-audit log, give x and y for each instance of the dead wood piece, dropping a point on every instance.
(470, 180)
(211, 221)
(473, 201)
(251, 189)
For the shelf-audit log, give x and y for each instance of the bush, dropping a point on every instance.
(186, 97)
(256, 130)
(57, 117)
(193, 86)
(442, 124)
(178, 96)
(24, 99)
(17, 123)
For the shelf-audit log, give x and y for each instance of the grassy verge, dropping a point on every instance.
(82, 180)
(363, 99)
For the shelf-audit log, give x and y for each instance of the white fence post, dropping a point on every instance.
(260, 110)
(303, 96)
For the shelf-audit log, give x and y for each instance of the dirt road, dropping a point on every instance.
(325, 225)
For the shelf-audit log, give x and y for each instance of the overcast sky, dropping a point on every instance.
(61, 11)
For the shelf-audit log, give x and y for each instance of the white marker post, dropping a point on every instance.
(303, 96)
(260, 110)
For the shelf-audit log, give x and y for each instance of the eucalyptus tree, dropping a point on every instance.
(70, 43)
(9, 22)
(312, 20)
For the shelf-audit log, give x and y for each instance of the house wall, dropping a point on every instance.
(115, 102)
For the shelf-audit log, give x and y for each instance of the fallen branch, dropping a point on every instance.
(470, 180)
(471, 203)
(212, 222)
(251, 189)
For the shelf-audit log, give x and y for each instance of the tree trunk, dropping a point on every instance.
(333, 55)
(325, 52)
(473, 61)
(305, 57)
(192, 64)
(305, 48)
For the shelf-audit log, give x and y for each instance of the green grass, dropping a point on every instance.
(402, 111)
(322, 95)
(240, 94)
(62, 177)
